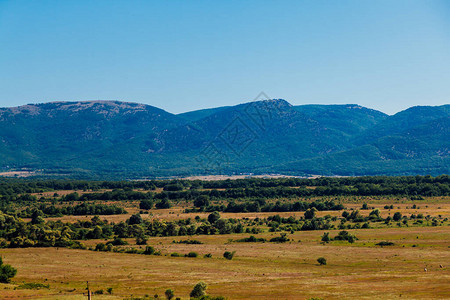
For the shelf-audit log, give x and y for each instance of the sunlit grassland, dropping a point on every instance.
(359, 270)
(259, 270)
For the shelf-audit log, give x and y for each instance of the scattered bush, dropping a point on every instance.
(310, 213)
(345, 236)
(322, 261)
(149, 250)
(135, 219)
(280, 239)
(192, 254)
(141, 240)
(251, 239)
(326, 237)
(169, 294)
(193, 242)
(397, 216)
(146, 204)
(212, 218)
(229, 255)
(199, 290)
(163, 204)
(385, 244)
(103, 247)
(118, 242)
(201, 201)
(33, 286)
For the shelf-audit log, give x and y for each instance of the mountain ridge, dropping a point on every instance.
(130, 140)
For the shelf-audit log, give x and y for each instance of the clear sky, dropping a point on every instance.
(187, 55)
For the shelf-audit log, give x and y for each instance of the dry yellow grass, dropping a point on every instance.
(176, 213)
(259, 270)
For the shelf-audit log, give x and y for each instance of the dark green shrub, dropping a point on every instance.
(201, 201)
(345, 236)
(118, 242)
(173, 187)
(135, 219)
(146, 204)
(33, 286)
(192, 254)
(141, 240)
(212, 218)
(326, 237)
(149, 250)
(229, 255)
(6, 272)
(397, 216)
(385, 244)
(163, 204)
(280, 239)
(310, 213)
(169, 294)
(251, 239)
(322, 261)
(100, 247)
(193, 242)
(199, 290)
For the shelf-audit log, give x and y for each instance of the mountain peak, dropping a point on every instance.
(275, 102)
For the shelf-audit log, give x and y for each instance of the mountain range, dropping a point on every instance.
(116, 139)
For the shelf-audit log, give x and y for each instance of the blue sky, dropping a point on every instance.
(187, 55)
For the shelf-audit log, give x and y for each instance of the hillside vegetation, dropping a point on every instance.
(118, 139)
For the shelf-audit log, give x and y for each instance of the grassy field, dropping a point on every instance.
(259, 270)
(433, 207)
(359, 270)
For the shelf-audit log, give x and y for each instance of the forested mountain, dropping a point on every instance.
(128, 140)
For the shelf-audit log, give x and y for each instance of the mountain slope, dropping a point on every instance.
(119, 139)
(65, 130)
(350, 119)
(416, 141)
(403, 121)
(196, 115)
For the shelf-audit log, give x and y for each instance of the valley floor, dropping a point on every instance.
(289, 270)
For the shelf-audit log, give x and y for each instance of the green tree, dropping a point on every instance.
(322, 261)
(141, 240)
(199, 290)
(169, 294)
(37, 217)
(326, 237)
(6, 272)
(135, 219)
(229, 255)
(310, 213)
(164, 203)
(202, 200)
(397, 216)
(212, 218)
(146, 204)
